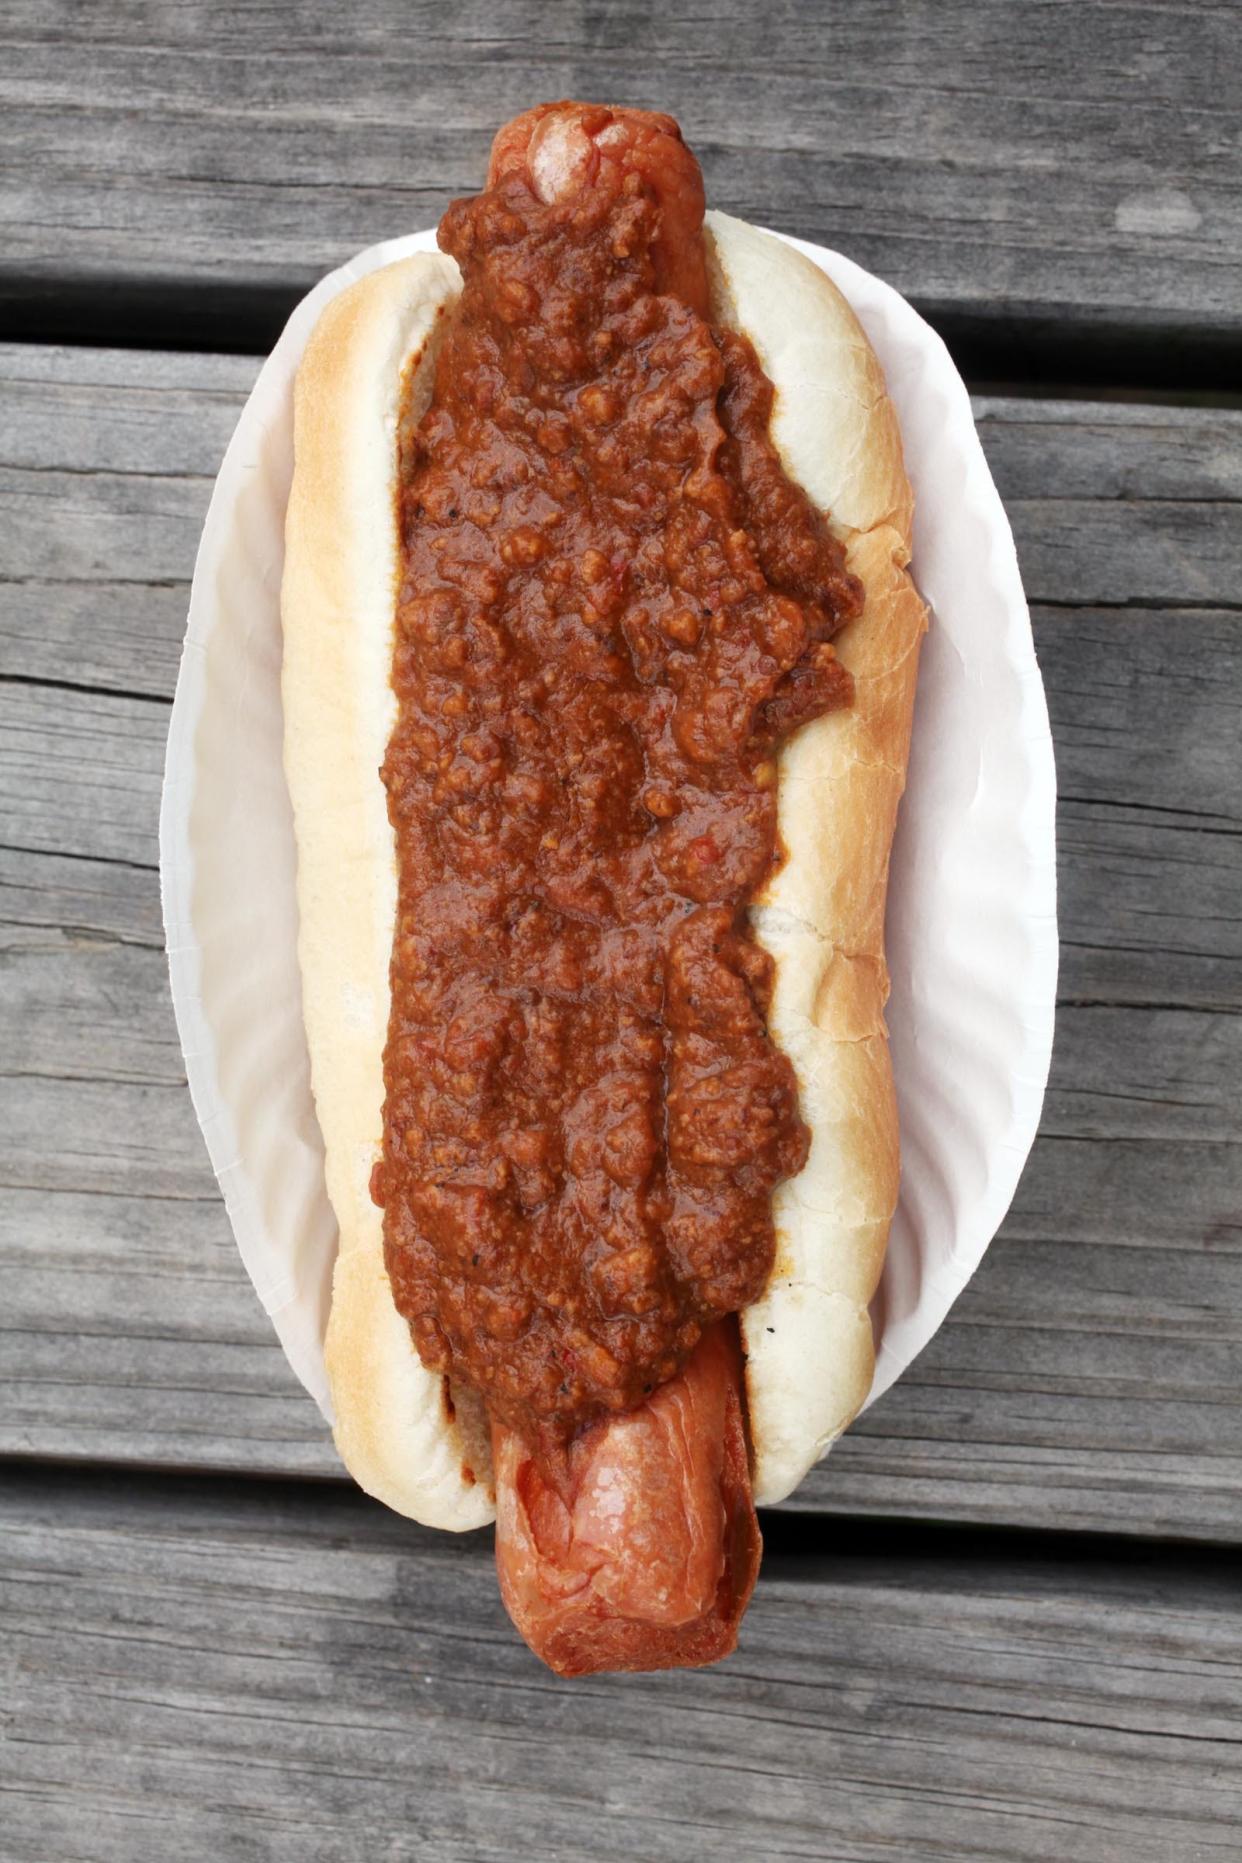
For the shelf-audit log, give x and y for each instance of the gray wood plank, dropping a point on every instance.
(1089, 1377)
(103, 497)
(80, 772)
(198, 1671)
(1072, 164)
(78, 898)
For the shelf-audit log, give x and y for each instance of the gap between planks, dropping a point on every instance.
(811, 1540)
(997, 353)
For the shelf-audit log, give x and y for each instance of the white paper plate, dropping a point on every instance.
(972, 939)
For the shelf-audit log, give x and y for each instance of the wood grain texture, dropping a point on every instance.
(1091, 1374)
(1070, 164)
(197, 1671)
(106, 466)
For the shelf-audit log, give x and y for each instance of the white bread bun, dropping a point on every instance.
(394, 1429)
(403, 1436)
(809, 1345)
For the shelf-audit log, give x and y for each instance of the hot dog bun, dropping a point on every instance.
(809, 1344)
(396, 1433)
(418, 1448)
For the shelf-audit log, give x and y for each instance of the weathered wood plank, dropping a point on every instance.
(105, 471)
(81, 898)
(91, 1009)
(294, 1674)
(1076, 165)
(107, 458)
(136, 1337)
(1148, 713)
(80, 773)
(1088, 1378)
(1091, 1374)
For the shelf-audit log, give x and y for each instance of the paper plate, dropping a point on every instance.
(972, 939)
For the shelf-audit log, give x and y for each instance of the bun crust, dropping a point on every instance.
(396, 1433)
(405, 1439)
(809, 1345)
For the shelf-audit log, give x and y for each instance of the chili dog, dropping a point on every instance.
(599, 661)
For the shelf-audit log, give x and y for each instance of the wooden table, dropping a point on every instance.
(1004, 1620)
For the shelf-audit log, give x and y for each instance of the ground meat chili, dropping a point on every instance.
(615, 606)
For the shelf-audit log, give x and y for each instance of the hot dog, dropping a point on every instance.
(599, 659)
